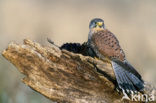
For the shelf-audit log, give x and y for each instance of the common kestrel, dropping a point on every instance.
(105, 45)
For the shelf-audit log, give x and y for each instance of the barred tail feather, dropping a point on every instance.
(126, 79)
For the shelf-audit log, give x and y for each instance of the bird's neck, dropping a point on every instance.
(97, 29)
(93, 31)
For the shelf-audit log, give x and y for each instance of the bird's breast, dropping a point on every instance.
(107, 44)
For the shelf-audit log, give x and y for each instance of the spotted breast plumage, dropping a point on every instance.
(105, 45)
(108, 44)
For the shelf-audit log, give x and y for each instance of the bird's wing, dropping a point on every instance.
(132, 69)
(72, 47)
(107, 44)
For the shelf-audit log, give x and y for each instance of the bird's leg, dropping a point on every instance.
(104, 59)
(96, 58)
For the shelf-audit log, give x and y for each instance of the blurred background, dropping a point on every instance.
(133, 22)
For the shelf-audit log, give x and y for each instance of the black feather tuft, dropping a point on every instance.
(83, 49)
(72, 47)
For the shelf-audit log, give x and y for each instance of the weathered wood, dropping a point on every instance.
(64, 76)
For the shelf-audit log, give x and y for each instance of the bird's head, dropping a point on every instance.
(96, 24)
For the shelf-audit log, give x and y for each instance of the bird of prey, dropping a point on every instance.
(105, 45)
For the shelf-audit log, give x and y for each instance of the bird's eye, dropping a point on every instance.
(96, 24)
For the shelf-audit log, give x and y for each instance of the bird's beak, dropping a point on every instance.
(99, 24)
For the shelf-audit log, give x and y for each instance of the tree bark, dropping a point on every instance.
(63, 76)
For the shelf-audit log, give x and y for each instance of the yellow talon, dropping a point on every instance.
(104, 59)
(96, 58)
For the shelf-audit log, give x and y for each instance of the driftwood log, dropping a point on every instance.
(63, 76)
